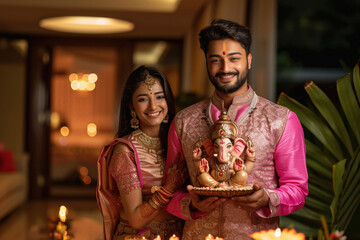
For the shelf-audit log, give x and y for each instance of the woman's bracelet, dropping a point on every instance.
(153, 205)
(161, 199)
(161, 190)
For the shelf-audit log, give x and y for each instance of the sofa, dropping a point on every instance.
(13, 184)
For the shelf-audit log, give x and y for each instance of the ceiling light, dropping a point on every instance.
(86, 25)
(150, 55)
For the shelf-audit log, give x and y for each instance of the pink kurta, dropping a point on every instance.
(280, 167)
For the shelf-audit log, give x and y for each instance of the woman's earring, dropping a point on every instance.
(134, 121)
(166, 119)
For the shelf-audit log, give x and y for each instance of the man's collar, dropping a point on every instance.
(239, 100)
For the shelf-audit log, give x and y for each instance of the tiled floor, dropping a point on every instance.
(31, 221)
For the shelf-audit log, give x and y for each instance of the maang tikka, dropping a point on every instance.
(149, 81)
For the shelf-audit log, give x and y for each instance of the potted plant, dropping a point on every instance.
(332, 138)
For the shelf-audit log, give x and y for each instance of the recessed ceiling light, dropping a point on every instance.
(86, 25)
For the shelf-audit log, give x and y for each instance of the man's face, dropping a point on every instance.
(228, 66)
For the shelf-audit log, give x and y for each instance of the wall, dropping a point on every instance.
(260, 17)
(12, 98)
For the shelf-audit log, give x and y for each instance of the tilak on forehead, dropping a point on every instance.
(149, 81)
(224, 48)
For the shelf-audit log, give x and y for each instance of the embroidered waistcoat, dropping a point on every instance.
(264, 125)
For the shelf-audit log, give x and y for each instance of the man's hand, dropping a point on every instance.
(254, 201)
(205, 205)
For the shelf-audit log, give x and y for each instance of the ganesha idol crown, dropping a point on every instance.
(224, 127)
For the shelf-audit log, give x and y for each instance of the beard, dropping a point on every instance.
(240, 81)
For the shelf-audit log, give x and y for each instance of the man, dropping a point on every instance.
(279, 176)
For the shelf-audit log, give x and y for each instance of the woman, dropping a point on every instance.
(134, 162)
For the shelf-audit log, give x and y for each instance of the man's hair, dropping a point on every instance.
(221, 29)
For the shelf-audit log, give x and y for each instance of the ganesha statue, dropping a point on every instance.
(218, 160)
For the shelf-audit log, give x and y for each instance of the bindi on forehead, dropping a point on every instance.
(224, 48)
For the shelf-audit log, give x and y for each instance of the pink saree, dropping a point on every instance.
(107, 194)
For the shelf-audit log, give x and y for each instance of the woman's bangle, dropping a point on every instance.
(162, 200)
(163, 191)
(152, 204)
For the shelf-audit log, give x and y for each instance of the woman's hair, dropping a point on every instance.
(137, 77)
(221, 29)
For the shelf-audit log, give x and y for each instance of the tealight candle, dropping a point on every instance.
(173, 237)
(62, 213)
(278, 235)
(157, 238)
(209, 237)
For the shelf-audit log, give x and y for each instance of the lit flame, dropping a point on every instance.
(209, 237)
(173, 237)
(157, 238)
(278, 233)
(62, 213)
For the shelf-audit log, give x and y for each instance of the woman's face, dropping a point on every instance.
(150, 107)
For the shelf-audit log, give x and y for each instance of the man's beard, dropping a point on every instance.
(240, 80)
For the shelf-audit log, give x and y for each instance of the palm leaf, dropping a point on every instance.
(307, 213)
(349, 104)
(314, 124)
(317, 205)
(352, 177)
(316, 180)
(300, 225)
(338, 172)
(331, 132)
(350, 195)
(317, 153)
(329, 113)
(318, 168)
(349, 215)
(320, 193)
(347, 191)
(356, 79)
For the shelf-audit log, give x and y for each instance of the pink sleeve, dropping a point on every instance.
(174, 147)
(123, 169)
(179, 205)
(290, 163)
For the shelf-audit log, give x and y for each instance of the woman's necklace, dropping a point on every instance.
(151, 145)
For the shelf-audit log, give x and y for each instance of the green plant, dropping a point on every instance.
(332, 138)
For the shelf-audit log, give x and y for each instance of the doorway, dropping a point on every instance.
(73, 96)
(83, 116)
